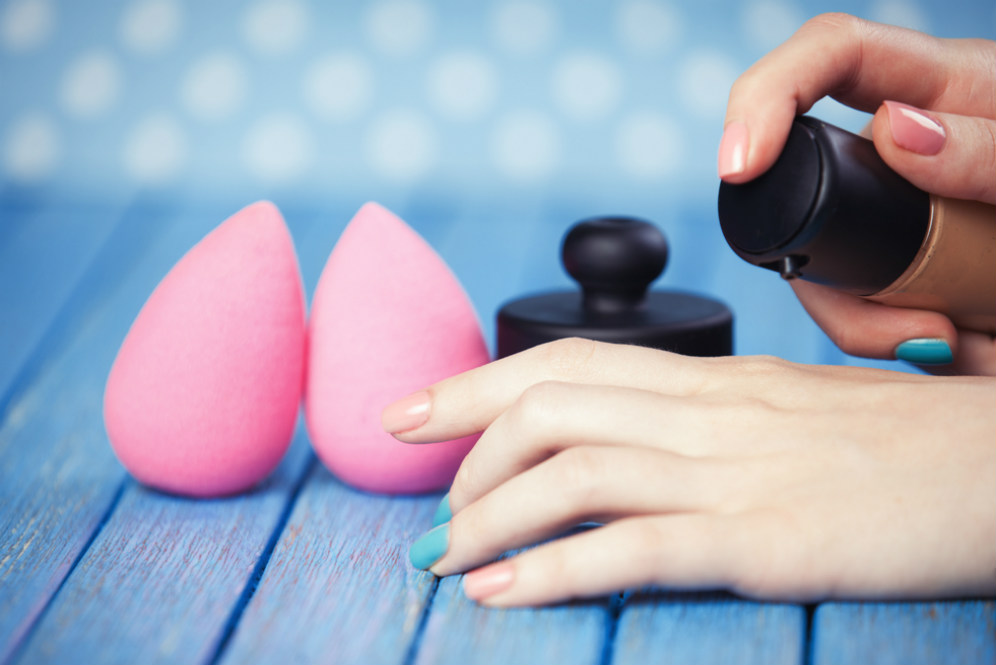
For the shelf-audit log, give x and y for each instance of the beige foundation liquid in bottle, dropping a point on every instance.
(831, 211)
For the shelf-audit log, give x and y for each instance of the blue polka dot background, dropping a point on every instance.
(525, 114)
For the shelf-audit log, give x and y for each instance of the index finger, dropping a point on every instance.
(860, 64)
(468, 403)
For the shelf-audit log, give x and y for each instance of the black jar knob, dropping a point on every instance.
(614, 259)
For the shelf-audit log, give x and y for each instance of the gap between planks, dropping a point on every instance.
(416, 642)
(232, 624)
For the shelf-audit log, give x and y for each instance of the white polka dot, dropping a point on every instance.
(26, 24)
(401, 145)
(339, 87)
(648, 28)
(525, 146)
(277, 148)
(524, 28)
(155, 150)
(463, 86)
(649, 145)
(768, 23)
(399, 27)
(704, 82)
(901, 13)
(274, 27)
(586, 86)
(214, 87)
(150, 26)
(31, 148)
(90, 85)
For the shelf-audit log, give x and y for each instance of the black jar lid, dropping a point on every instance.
(615, 259)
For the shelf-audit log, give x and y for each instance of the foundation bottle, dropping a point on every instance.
(831, 211)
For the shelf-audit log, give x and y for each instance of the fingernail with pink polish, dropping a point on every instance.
(407, 413)
(914, 130)
(733, 150)
(486, 582)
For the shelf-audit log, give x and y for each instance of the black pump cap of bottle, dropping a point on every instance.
(830, 211)
(614, 259)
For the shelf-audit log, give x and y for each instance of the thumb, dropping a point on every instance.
(942, 153)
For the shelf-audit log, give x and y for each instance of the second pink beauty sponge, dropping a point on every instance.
(388, 318)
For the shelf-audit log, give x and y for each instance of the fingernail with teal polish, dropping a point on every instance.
(431, 547)
(925, 351)
(443, 512)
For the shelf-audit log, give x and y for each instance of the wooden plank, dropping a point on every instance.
(905, 633)
(44, 254)
(459, 631)
(162, 578)
(57, 473)
(708, 628)
(339, 588)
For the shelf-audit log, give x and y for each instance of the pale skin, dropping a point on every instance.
(771, 479)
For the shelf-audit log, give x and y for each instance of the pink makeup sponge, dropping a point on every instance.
(387, 319)
(204, 393)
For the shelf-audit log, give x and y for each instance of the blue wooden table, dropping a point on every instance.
(95, 568)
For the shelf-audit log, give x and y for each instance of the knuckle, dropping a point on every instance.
(749, 572)
(742, 86)
(748, 418)
(579, 471)
(762, 365)
(647, 538)
(846, 339)
(466, 479)
(773, 564)
(741, 483)
(833, 21)
(537, 408)
(568, 359)
(561, 569)
(988, 187)
(754, 408)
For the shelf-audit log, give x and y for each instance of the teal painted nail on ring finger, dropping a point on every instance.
(431, 547)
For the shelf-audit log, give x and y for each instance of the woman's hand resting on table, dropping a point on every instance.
(935, 124)
(768, 478)
(771, 479)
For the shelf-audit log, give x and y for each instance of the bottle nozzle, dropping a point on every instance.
(790, 267)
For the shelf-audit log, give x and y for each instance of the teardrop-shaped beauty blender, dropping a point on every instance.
(388, 318)
(204, 393)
